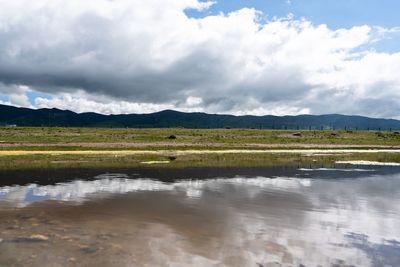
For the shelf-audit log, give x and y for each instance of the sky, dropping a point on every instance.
(257, 57)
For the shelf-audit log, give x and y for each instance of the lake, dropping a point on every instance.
(346, 215)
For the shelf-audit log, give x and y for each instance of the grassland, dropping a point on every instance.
(106, 147)
(191, 138)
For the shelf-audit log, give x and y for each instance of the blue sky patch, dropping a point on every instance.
(32, 95)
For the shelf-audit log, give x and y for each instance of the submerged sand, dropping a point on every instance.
(367, 163)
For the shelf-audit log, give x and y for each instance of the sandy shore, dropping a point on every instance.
(195, 152)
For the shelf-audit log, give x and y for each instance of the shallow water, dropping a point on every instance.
(305, 216)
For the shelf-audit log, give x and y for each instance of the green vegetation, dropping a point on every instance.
(92, 138)
(225, 160)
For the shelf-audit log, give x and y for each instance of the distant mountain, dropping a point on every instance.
(10, 115)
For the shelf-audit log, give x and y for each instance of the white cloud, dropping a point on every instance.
(19, 100)
(142, 56)
(81, 102)
(16, 95)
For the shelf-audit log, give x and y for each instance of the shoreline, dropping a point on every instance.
(194, 152)
(132, 145)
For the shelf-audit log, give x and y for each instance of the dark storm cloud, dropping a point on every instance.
(145, 53)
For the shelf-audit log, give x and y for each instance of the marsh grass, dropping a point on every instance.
(86, 141)
(210, 160)
(199, 137)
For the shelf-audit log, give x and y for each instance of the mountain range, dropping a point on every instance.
(15, 116)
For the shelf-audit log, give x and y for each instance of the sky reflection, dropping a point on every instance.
(240, 221)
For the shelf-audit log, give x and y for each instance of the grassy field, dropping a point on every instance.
(192, 138)
(93, 147)
(198, 160)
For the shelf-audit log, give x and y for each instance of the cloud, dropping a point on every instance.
(16, 95)
(148, 55)
(81, 102)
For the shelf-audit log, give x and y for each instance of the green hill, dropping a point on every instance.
(10, 115)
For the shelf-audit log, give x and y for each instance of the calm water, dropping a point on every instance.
(346, 216)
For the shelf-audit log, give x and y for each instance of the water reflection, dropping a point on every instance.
(108, 184)
(273, 217)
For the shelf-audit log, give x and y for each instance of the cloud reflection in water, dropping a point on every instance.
(293, 221)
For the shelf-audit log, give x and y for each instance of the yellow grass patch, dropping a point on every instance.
(155, 162)
(191, 152)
